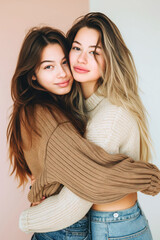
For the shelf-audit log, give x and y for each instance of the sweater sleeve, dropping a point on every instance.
(54, 213)
(66, 208)
(90, 172)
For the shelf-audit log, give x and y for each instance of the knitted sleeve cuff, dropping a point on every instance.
(154, 187)
(54, 213)
(23, 221)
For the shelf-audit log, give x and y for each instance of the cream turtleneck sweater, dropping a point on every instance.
(112, 128)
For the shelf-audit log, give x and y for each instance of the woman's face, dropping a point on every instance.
(86, 58)
(53, 73)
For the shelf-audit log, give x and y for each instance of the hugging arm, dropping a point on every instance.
(116, 176)
(54, 213)
(76, 165)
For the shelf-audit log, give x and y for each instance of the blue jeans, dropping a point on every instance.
(129, 224)
(78, 231)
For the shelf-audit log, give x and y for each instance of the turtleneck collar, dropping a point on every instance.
(92, 101)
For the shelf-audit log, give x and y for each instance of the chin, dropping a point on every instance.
(64, 91)
(80, 78)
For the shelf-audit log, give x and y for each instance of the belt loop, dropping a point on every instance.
(142, 213)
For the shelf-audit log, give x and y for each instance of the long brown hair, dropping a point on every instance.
(26, 94)
(119, 80)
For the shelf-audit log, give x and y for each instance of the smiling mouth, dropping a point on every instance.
(80, 70)
(63, 84)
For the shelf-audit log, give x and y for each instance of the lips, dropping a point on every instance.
(63, 84)
(80, 69)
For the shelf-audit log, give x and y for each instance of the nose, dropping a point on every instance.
(61, 72)
(82, 58)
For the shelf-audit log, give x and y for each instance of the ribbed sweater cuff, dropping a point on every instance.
(23, 221)
(154, 187)
(54, 213)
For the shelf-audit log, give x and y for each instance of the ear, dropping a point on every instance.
(34, 77)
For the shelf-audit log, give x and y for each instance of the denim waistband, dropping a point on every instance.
(121, 215)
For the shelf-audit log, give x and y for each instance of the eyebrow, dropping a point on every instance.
(45, 61)
(92, 46)
(51, 61)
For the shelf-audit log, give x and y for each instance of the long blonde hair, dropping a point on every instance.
(119, 81)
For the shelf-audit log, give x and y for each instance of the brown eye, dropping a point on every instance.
(76, 48)
(48, 67)
(94, 53)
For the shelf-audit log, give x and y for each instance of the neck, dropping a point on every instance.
(88, 88)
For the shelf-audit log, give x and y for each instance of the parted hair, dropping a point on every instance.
(119, 81)
(26, 94)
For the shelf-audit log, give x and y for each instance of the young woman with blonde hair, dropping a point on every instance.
(103, 65)
(45, 137)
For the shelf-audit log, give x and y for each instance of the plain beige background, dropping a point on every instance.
(16, 17)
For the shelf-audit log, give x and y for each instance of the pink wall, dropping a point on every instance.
(16, 17)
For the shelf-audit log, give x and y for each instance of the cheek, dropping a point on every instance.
(68, 72)
(95, 65)
(71, 57)
(103, 65)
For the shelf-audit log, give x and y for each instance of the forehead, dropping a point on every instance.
(88, 36)
(52, 51)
